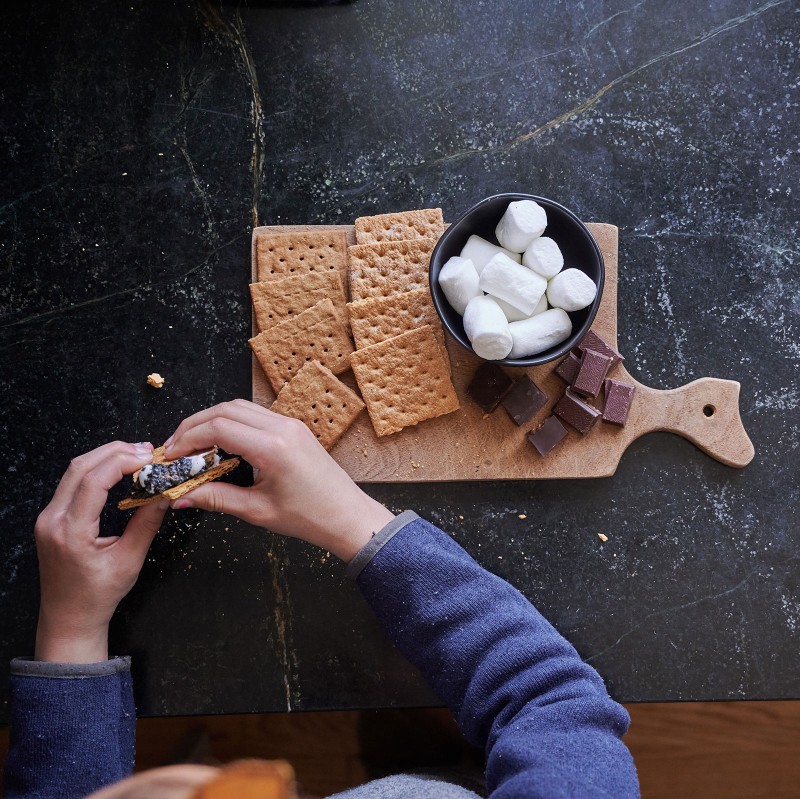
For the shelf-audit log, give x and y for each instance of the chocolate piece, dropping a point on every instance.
(489, 386)
(593, 371)
(619, 398)
(592, 341)
(575, 412)
(547, 435)
(568, 368)
(524, 400)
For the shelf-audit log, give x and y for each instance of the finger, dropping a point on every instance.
(232, 435)
(224, 498)
(92, 491)
(141, 530)
(82, 464)
(238, 410)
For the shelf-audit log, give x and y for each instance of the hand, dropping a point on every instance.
(299, 490)
(84, 577)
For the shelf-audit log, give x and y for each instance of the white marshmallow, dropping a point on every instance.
(487, 329)
(523, 221)
(539, 333)
(458, 279)
(480, 252)
(514, 314)
(571, 290)
(511, 282)
(544, 257)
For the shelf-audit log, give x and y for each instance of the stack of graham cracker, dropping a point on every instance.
(399, 361)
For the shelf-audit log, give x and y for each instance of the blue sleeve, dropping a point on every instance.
(72, 728)
(515, 686)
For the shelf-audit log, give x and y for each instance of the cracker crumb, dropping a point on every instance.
(461, 517)
(522, 516)
(364, 452)
(415, 465)
(485, 416)
(602, 537)
(155, 380)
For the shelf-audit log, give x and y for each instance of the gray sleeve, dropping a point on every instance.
(379, 539)
(28, 667)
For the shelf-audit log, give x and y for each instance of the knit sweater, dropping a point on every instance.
(515, 686)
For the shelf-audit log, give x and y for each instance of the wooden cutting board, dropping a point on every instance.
(470, 445)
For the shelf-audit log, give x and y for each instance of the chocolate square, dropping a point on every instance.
(592, 341)
(593, 371)
(489, 385)
(568, 368)
(619, 398)
(547, 435)
(524, 400)
(575, 412)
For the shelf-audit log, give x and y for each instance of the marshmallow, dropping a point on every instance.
(544, 257)
(539, 333)
(480, 252)
(523, 221)
(514, 314)
(487, 329)
(515, 284)
(571, 290)
(458, 279)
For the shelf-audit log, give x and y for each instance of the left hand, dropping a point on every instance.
(83, 576)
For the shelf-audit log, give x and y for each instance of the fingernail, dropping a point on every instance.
(143, 451)
(181, 504)
(168, 442)
(144, 444)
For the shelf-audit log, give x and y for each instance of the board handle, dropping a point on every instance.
(706, 412)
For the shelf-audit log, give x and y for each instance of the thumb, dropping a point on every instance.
(142, 528)
(219, 498)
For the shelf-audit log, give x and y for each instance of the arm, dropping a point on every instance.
(72, 712)
(515, 686)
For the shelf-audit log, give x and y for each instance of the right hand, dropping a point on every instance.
(299, 490)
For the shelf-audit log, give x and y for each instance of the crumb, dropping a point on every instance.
(364, 452)
(522, 516)
(485, 416)
(155, 380)
(415, 465)
(602, 537)
(461, 517)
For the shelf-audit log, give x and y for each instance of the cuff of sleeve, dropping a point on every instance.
(374, 545)
(28, 667)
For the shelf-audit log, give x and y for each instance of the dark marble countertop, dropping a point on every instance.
(141, 143)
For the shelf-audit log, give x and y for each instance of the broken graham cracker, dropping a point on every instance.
(314, 334)
(321, 401)
(422, 224)
(404, 380)
(378, 318)
(388, 267)
(275, 300)
(176, 492)
(283, 254)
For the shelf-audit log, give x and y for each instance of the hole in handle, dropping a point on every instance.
(709, 410)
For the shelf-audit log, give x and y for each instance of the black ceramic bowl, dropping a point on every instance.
(577, 244)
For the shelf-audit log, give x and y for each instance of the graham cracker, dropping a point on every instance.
(176, 492)
(378, 318)
(404, 380)
(314, 334)
(388, 267)
(422, 224)
(321, 401)
(275, 300)
(283, 254)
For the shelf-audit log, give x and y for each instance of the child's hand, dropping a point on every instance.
(83, 576)
(299, 490)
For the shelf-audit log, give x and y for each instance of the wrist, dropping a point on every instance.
(67, 643)
(357, 527)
